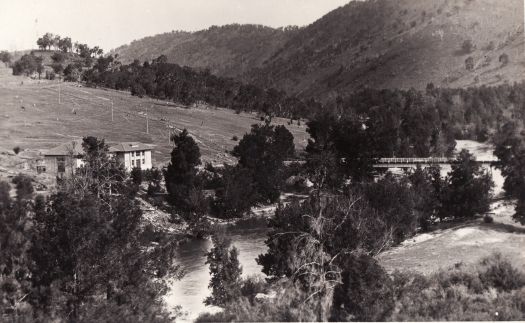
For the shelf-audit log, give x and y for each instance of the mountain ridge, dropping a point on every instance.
(373, 43)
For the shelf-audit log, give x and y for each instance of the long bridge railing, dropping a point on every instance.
(383, 162)
(413, 161)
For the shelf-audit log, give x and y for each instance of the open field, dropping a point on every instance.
(464, 244)
(45, 121)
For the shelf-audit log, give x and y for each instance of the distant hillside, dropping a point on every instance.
(227, 51)
(401, 44)
(374, 43)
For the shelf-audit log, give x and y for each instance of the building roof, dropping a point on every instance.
(129, 146)
(66, 149)
(75, 148)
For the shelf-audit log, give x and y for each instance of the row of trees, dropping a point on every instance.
(257, 178)
(64, 44)
(82, 254)
(48, 41)
(160, 79)
(461, 113)
(32, 62)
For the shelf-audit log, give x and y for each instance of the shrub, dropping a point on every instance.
(469, 63)
(50, 75)
(16, 150)
(24, 186)
(57, 68)
(488, 219)
(136, 175)
(499, 273)
(467, 46)
(462, 295)
(252, 286)
(235, 138)
(58, 57)
(504, 59)
(490, 46)
(365, 293)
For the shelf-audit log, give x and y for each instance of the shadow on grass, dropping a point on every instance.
(501, 227)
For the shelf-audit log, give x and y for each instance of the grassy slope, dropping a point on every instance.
(227, 51)
(44, 123)
(464, 244)
(401, 43)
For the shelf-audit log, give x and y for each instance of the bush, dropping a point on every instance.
(466, 295)
(467, 47)
(365, 293)
(504, 59)
(235, 138)
(488, 219)
(58, 57)
(24, 186)
(136, 175)
(499, 273)
(57, 68)
(50, 75)
(16, 150)
(469, 63)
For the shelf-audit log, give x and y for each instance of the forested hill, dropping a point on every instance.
(375, 43)
(227, 51)
(402, 44)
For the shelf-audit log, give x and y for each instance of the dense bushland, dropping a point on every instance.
(82, 254)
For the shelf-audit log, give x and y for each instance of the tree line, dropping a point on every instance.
(472, 113)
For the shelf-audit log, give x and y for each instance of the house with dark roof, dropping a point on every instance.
(67, 157)
(64, 159)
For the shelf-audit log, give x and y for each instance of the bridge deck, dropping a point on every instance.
(428, 161)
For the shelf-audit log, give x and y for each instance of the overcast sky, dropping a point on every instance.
(111, 23)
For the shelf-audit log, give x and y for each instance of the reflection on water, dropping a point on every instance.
(192, 289)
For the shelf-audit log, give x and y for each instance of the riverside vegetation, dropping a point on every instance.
(83, 253)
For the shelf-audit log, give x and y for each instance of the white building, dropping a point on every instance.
(132, 154)
(64, 159)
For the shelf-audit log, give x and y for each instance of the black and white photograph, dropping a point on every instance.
(262, 161)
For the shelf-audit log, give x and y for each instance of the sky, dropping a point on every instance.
(111, 23)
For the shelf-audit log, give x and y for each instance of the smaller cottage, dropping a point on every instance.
(63, 159)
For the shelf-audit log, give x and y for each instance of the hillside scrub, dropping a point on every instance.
(82, 254)
(490, 290)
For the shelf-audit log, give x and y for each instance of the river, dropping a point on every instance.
(192, 289)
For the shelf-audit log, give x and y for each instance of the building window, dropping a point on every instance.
(143, 161)
(61, 164)
(132, 154)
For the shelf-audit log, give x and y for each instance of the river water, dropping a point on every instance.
(192, 289)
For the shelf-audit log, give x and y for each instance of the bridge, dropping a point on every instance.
(404, 162)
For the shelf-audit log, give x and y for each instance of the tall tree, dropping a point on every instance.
(469, 188)
(180, 175)
(262, 151)
(225, 271)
